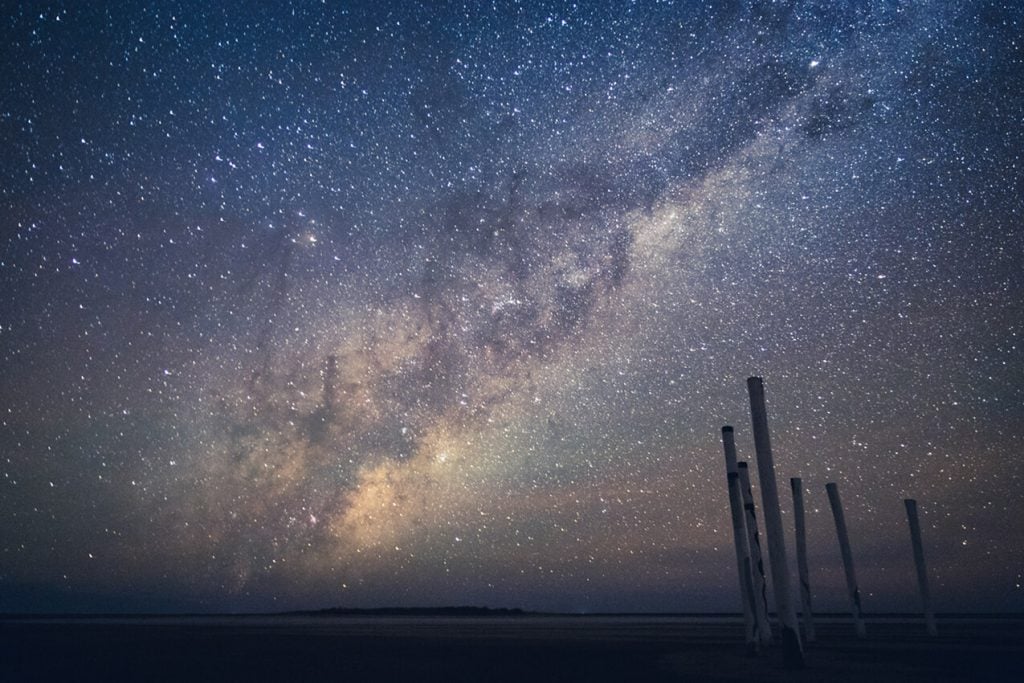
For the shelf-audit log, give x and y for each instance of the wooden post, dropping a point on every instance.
(792, 650)
(844, 548)
(758, 581)
(922, 570)
(739, 537)
(801, 558)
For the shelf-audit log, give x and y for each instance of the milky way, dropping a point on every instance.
(402, 304)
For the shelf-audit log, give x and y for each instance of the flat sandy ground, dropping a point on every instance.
(492, 649)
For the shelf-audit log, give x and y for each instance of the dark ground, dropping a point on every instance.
(491, 649)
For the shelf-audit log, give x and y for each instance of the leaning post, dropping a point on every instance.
(844, 548)
(739, 537)
(922, 570)
(801, 557)
(792, 650)
(759, 585)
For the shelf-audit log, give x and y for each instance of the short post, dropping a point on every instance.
(844, 548)
(739, 537)
(801, 557)
(758, 582)
(792, 650)
(922, 570)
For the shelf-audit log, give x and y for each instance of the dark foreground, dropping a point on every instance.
(491, 649)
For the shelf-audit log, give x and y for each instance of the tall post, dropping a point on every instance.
(922, 570)
(801, 558)
(792, 650)
(844, 548)
(739, 537)
(759, 585)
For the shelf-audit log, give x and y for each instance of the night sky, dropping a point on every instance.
(310, 304)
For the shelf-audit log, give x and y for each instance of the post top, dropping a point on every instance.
(726, 428)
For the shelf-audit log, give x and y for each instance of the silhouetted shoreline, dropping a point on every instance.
(455, 611)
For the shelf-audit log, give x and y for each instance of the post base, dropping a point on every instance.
(792, 653)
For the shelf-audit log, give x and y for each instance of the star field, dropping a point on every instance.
(410, 303)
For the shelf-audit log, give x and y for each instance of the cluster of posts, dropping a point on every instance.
(750, 558)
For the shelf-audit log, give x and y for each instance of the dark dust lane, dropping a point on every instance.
(533, 649)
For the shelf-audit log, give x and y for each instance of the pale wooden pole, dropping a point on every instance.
(757, 577)
(844, 548)
(739, 537)
(922, 570)
(792, 649)
(801, 558)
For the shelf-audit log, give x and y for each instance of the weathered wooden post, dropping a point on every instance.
(801, 557)
(922, 570)
(844, 548)
(759, 585)
(739, 537)
(792, 650)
